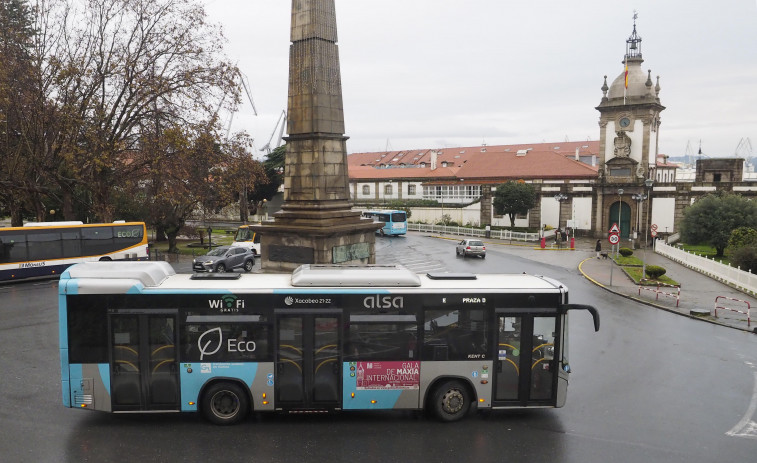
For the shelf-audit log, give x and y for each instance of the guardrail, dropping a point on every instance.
(731, 309)
(744, 281)
(658, 291)
(468, 231)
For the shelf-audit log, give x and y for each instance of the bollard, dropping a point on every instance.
(543, 242)
(573, 242)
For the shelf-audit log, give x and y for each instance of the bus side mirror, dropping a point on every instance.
(594, 313)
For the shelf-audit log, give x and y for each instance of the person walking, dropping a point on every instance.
(598, 248)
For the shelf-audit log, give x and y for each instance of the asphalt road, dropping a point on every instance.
(650, 386)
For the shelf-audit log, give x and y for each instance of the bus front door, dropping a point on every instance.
(308, 366)
(525, 361)
(144, 372)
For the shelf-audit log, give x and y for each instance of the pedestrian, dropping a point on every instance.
(558, 238)
(598, 248)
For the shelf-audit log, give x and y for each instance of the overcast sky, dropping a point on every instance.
(448, 73)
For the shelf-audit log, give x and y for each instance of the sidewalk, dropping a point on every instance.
(697, 295)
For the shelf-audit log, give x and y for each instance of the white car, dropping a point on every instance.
(471, 247)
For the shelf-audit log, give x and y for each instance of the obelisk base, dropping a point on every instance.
(294, 239)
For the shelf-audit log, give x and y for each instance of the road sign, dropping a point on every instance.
(615, 228)
(614, 238)
(654, 227)
(653, 233)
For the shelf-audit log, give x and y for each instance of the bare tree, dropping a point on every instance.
(119, 68)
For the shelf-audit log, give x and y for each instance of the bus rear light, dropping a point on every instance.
(191, 403)
(374, 402)
(484, 381)
(265, 402)
(83, 405)
(352, 395)
(481, 400)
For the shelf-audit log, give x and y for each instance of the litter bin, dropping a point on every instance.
(488, 231)
(572, 242)
(543, 242)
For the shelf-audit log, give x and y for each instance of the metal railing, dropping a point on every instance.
(477, 232)
(746, 312)
(674, 294)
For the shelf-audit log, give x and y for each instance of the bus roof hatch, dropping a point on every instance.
(354, 275)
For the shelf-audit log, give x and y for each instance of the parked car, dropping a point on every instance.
(225, 258)
(470, 247)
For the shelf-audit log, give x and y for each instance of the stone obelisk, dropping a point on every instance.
(316, 224)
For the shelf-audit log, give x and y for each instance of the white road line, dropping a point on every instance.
(746, 427)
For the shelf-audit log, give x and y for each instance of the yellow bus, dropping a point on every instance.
(45, 249)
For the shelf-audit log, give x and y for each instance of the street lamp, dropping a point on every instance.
(648, 183)
(560, 197)
(620, 209)
(639, 198)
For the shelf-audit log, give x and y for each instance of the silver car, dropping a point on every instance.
(471, 247)
(225, 258)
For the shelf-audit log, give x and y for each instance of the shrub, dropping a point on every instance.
(625, 252)
(745, 258)
(742, 236)
(655, 271)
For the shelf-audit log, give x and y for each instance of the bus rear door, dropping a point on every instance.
(144, 372)
(308, 360)
(525, 360)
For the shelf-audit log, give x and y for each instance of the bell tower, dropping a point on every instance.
(629, 130)
(629, 120)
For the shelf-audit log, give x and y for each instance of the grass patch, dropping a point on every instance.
(220, 238)
(630, 261)
(635, 274)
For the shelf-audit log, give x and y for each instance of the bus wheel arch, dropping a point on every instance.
(225, 402)
(450, 399)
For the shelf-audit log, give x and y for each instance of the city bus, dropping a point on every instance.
(46, 249)
(137, 337)
(395, 221)
(247, 238)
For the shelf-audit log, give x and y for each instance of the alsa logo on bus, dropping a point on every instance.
(383, 302)
(228, 303)
(211, 341)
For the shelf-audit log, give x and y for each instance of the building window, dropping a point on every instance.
(388, 190)
(411, 189)
(366, 190)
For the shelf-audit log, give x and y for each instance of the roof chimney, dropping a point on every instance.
(434, 155)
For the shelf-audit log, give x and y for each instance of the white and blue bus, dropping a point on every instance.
(46, 249)
(395, 221)
(137, 337)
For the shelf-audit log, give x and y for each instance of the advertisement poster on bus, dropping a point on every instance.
(388, 375)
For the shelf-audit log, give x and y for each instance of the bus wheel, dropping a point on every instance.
(224, 404)
(248, 266)
(450, 401)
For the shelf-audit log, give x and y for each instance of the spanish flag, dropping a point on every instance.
(626, 73)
